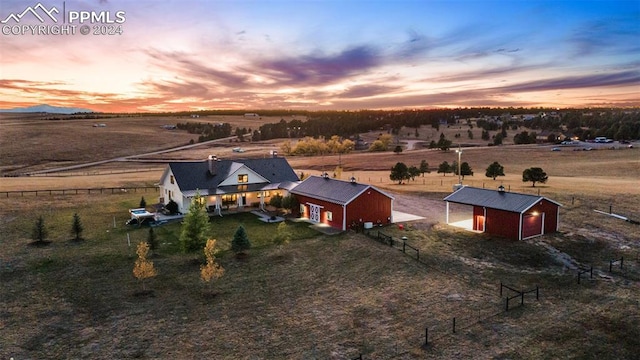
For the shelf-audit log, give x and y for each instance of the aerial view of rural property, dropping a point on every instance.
(320, 179)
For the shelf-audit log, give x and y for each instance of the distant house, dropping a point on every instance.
(342, 204)
(251, 115)
(512, 215)
(226, 183)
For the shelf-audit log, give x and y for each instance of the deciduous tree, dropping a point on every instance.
(143, 268)
(211, 270)
(399, 173)
(534, 174)
(494, 170)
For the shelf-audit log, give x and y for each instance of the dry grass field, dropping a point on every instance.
(319, 297)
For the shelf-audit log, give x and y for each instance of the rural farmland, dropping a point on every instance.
(320, 296)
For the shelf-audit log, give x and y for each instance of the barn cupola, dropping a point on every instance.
(353, 180)
(501, 189)
(211, 161)
(325, 175)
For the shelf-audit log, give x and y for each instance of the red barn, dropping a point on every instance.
(508, 214)
(342, 204)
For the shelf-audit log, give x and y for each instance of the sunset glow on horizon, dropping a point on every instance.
(322, 55)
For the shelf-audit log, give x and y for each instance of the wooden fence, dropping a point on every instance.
(79, 191)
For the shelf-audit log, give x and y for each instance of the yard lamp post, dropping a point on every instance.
(459, 151)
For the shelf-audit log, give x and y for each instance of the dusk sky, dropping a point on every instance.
(333, 55)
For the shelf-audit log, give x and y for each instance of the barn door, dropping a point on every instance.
(314, 213)
(531, 225)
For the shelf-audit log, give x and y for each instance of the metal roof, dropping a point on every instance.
(494, 199)
(191, 176)
(332, 190)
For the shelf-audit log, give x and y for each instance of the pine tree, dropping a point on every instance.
(195, 227)
(143, 203)
(240, 243)
(152, 240)
(424, 167)
(76, 227)
(143, 268)
(211, 270)
(40, 232)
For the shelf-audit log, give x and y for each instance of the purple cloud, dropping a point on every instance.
(318, 69)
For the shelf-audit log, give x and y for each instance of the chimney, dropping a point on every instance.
(212, 164)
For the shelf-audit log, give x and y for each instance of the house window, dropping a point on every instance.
(266, 194)
(172, 179)
(329, 216)
(242, 188)
(231, 197)
(243, 178)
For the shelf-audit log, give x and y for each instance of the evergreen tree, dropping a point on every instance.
(465, 169)
(494, 170)
(195, 226)
(424, 167)
(444, 168)
(143, 203)
(240, 243)
(152, 240)
(40, 232)
(413, 172)
(397, 149)
(76, 227)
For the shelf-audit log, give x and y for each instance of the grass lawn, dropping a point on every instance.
(317, 297)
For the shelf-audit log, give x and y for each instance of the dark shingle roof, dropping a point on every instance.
(195, 175)
(494, 199)
(331, 190)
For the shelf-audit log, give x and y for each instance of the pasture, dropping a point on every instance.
(323, 297)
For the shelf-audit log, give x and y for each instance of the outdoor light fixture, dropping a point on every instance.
(459, 151)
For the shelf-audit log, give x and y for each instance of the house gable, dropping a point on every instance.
(237, 176)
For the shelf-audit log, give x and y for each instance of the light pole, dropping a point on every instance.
(459, 151)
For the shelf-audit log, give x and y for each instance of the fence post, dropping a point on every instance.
(426, 336)
(610, 265)
(507, 303)
(404, 244)
(454, 325)
(537, 293)
(621, 261)
(579, 273)
(417, 254)
(591, 273)
(522, 298)
(500, 288)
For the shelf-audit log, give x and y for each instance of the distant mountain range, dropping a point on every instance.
(46, 109)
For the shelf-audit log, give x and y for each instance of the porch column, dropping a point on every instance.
(219, 205)
(447, 213)
(262, 200)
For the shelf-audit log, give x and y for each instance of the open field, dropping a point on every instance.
(320, 297)
(33, 143)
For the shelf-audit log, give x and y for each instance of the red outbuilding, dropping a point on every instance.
(342, 204)
(507, 214)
